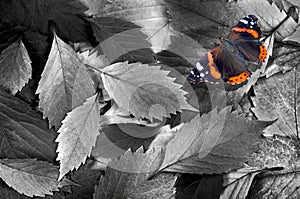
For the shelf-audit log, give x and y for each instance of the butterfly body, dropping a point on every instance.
(234, 60)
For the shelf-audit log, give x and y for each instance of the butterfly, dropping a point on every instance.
(234, 59)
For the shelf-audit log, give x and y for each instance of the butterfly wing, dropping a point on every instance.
(206, 70)
(231, 63)
(252, 50)
(246, 28)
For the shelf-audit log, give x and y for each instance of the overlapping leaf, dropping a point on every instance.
(87, 179)
(116, 139)
(162, 186)
(278, 97)
(23, 133)
(284, 60)
(121, 39)
(64, 85)
(144, 90)
(124, 175)
(29, 177)
(283, 185)
(193, 17)
(36, 15)
(78, 135)
(15, 67)
(237, 183)
(213, 143)
(150, 15)
(9, 34)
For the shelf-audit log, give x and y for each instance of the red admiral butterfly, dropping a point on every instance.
(230, 61)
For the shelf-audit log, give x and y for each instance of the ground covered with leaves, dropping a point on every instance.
(94, 101)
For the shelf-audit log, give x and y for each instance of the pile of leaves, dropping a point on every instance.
(94, 101)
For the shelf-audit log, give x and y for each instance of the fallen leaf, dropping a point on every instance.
(282, 184)
(67, 15)
(237, 183)
(199, 20)
(144, 90)
(124, 175)
(10, 193)
(295, 37)
(9, 34)
(121, 40)
(278, 98)
(150, 15)
(285, 58)
(59, 88)
(200, 135)
(29, 176)
(87, 180)
(161, 186)
(213, 143)
(116, 139)
(23, 133)
(78, 135)
(15, 67)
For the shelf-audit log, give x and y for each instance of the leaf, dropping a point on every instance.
(116, 139)
(188, 49)
(283, 185)
(65, 83)
(122, 176)
(237, 183)
(213, 143)
(35, 14)
(282, 4)
(285, 58)
(199, 20)
(144, 90)
(295, 37)
(198, 133)
(294, 2)
(278, 98)
(121, 38)
(162, 186)
(23, 133)
(78, 135)
(29, 176)
(9, 193)
(87, 179)
(15, 67)
(194, 186)
(164, 136)
(150, 15)
(94, 6)
(9, 34)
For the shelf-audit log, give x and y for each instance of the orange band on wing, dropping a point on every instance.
(262, 53)
(250, 31)
(214, 73)
(238, 79)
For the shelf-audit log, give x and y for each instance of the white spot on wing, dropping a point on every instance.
(252, 23)
(202, 75)
(198, 66)
(192, 72)
(244, 21)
